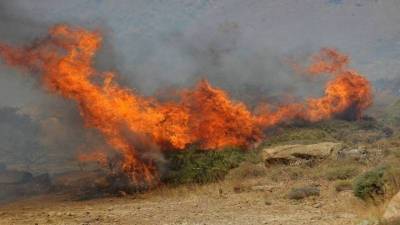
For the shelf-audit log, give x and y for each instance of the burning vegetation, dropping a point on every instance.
(139, 128)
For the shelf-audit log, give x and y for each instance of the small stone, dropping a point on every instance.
(267, 202)
(392, 211)
(262, 188)
(317, 205)
(122, 193)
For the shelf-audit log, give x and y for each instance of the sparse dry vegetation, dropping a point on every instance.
(236, 174)
(303, 192)
(343, 185)
(341, 173)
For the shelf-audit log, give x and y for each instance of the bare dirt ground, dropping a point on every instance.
(209, 204)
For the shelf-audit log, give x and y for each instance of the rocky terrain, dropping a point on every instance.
(330, 173)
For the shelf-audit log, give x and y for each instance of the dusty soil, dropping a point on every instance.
(209, 204)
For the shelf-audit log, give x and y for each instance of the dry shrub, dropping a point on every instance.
(303, 192)
(342, 172)
(343, 185)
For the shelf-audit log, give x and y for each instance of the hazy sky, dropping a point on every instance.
(166, 41)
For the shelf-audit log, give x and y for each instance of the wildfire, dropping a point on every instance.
(134, 125)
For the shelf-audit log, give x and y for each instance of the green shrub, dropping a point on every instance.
(383, 181)
(341, 172)
(201, 166)
(370, 183)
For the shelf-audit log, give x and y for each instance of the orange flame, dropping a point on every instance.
(204, 115)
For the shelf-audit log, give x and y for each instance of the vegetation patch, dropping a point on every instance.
(381, 181)
(342, 172)
(370, 184)
(366, 130)
(201, 166)
(248, 170)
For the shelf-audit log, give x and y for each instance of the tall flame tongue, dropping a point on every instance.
(204, 115)
(347, 95)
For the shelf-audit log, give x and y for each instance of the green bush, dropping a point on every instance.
(380, 181)
(370, 183)
(201, 166)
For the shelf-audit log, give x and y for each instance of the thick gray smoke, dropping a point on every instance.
(38, 131)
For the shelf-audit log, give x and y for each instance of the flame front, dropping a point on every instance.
(204, 115)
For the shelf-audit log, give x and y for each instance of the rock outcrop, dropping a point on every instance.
(300, 154)
(392, 212)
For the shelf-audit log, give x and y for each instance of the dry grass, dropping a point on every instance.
(342, 172)
(343, 185)
(247, 170)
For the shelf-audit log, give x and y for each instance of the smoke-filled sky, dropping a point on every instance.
(234, 42)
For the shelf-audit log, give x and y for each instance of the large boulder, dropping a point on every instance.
(300, 154)
(392, 212)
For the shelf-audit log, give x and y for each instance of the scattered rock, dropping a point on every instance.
(357, 154)
(122, 193)
(237, 189)
(392, 211)
(317, 205)
(299, 154)
(262, 188)
(220, 192)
